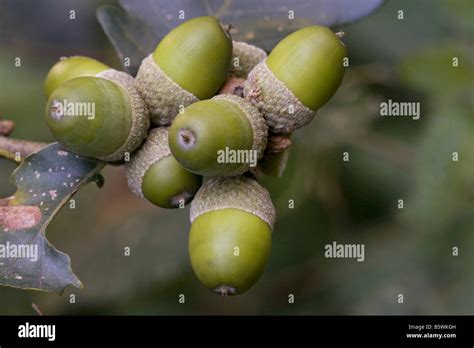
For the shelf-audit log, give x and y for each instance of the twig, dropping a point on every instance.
(15, 149)
(9, 156)
(10, 148)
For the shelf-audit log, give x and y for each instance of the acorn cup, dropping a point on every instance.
(191, 63)
(154, 174)
(299, 76)
(222, 136)
(230, 239)
(69, 68)
(102, 117)
(245, 57)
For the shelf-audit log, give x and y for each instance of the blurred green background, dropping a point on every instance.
(407, 251)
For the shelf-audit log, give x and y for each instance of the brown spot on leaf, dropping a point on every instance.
(19, 217)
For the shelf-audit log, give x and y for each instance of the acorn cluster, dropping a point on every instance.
(198, 96)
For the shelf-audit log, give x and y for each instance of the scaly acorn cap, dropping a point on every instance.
(153, 149)
(230, 236)
(240, 193)
(300, 75)
(162, 95)
(245, 57)
(283, 112)
(140, 116)
(154, 174)
(196, 56)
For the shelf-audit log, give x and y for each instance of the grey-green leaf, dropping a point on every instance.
(45, 182)
(136, 30)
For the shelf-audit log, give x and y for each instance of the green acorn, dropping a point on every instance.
(245, 57)
(101, 117)
(222, 136)
(299, 76)
(154, 174)
(70, 68)
(190, 63)
(230, 238)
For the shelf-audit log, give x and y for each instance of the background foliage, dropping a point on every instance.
(408, 251)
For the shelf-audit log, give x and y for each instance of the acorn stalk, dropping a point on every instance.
(275, 158)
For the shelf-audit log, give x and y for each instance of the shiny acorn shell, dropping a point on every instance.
(299, 76)
(208, 128)
(154, 174)
(230, 237)
(69, 68)
(119, 123)
(191, 63)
